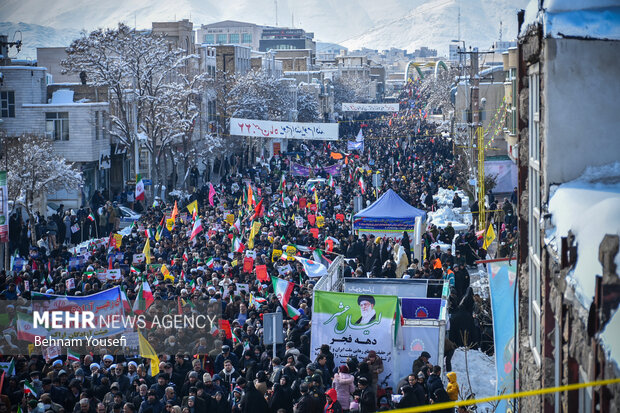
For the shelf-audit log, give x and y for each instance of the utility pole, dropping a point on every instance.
(275, 2)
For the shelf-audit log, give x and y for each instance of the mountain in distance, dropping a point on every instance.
(33, 36)
(405, 24)
(435, 24)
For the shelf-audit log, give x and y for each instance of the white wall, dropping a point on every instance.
(580, 103)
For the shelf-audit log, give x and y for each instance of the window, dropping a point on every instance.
(209, 39)
(233, 38)
(96, 131)
(221, 38)
(534, 252)
(8, 104)
(246, 38)
(57, 125)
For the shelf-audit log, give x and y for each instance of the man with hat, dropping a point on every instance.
(225, 355)
(420, 362)
(367, 309)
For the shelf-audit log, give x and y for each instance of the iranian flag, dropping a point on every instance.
(185, 257)
(331, 182)
(196, 229)
(282, 183)
(237, 225)
(144, 299)
(126, 305)
(361, 184)
(73, 355)
(91, 217)
(139, 188)
(210, 262)
(29, 389)
(313, 269)
(26, 330)
(237, 245)
(292, 312)
(283, 290)
(256, 302)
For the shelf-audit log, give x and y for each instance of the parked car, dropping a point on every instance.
(128, 216)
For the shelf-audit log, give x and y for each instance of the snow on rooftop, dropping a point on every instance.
(590, 207)
(593, 19)
(609, 337)
(62, 96)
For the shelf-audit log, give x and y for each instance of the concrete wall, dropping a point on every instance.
(582, 88)
(29, 86)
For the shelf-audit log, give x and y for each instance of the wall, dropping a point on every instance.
(50, 58)
(29, 86)
(582, 89)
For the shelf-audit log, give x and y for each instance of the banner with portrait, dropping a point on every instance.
(354, 324)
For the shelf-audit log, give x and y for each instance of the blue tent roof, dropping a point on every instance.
(389, 212)
(390, 205)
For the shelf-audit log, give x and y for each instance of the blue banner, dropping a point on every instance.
(502, 283)
(421, 308)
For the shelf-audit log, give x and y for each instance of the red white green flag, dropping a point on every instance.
(292, 312)
(361, 184)
(73, 355)
(283, 290)
(144, 299)
(139, 188)
(29, 389)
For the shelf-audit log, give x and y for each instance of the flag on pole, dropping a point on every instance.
(292, 312)
(258, 210)
(139, 188)
(250, 196)
(237, 245)
(282, 183)
(91, 217)
(330, 182)
(126, 305)
(283, 290)
(211, 193)
(313, 269)
(319, 257)
(29, 389)
(488, 237)
(192, 207)
(147, 251)
(146, 351)
(361, 184)
(166, 273)
(210, 262)
(144, 299)
(256, 302)
(196, 229)
(73, 355)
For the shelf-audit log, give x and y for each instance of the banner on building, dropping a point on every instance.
(4, 208)
(288, 130)
(502, 283)
(370, 107)
(354, 324)
(421, 308)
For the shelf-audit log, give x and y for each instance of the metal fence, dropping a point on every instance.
(334, 280)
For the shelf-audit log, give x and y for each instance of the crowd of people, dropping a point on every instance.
(231, 369)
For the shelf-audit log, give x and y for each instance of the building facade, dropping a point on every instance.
(569, 201)
(231, 32)
(287, 39)
(79, 129)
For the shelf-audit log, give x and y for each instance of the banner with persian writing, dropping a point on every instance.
(287, 130)
(354, 324)
(370, 107)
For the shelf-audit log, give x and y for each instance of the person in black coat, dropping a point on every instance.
(282, 397)
(461, 280)
(366, 397)
(434, 381)
(409, 399)
(441, 396)
(406, 244)
(253, 401)
(462, 328)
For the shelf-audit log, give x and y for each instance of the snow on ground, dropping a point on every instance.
(459, 217)
(482, 376)
(589, 206)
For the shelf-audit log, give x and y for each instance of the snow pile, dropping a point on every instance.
(459, 217)
(440, 218)
(610, 340)
(590, 207)
(62, 96)
(482, 374)
(479, 281)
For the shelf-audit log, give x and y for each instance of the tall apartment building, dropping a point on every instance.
(231, 32)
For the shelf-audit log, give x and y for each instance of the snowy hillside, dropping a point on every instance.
(434, 24)
(351, 23)
(34, 35)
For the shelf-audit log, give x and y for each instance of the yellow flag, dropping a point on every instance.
(192, 207)
(119, 240)
(166, 272)
(316, 198)
(170, 224)
(253, 233)
(275, 255)
(320, 221)
(147, 251)
(146, 351)
(488, 237)
(230, 218)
